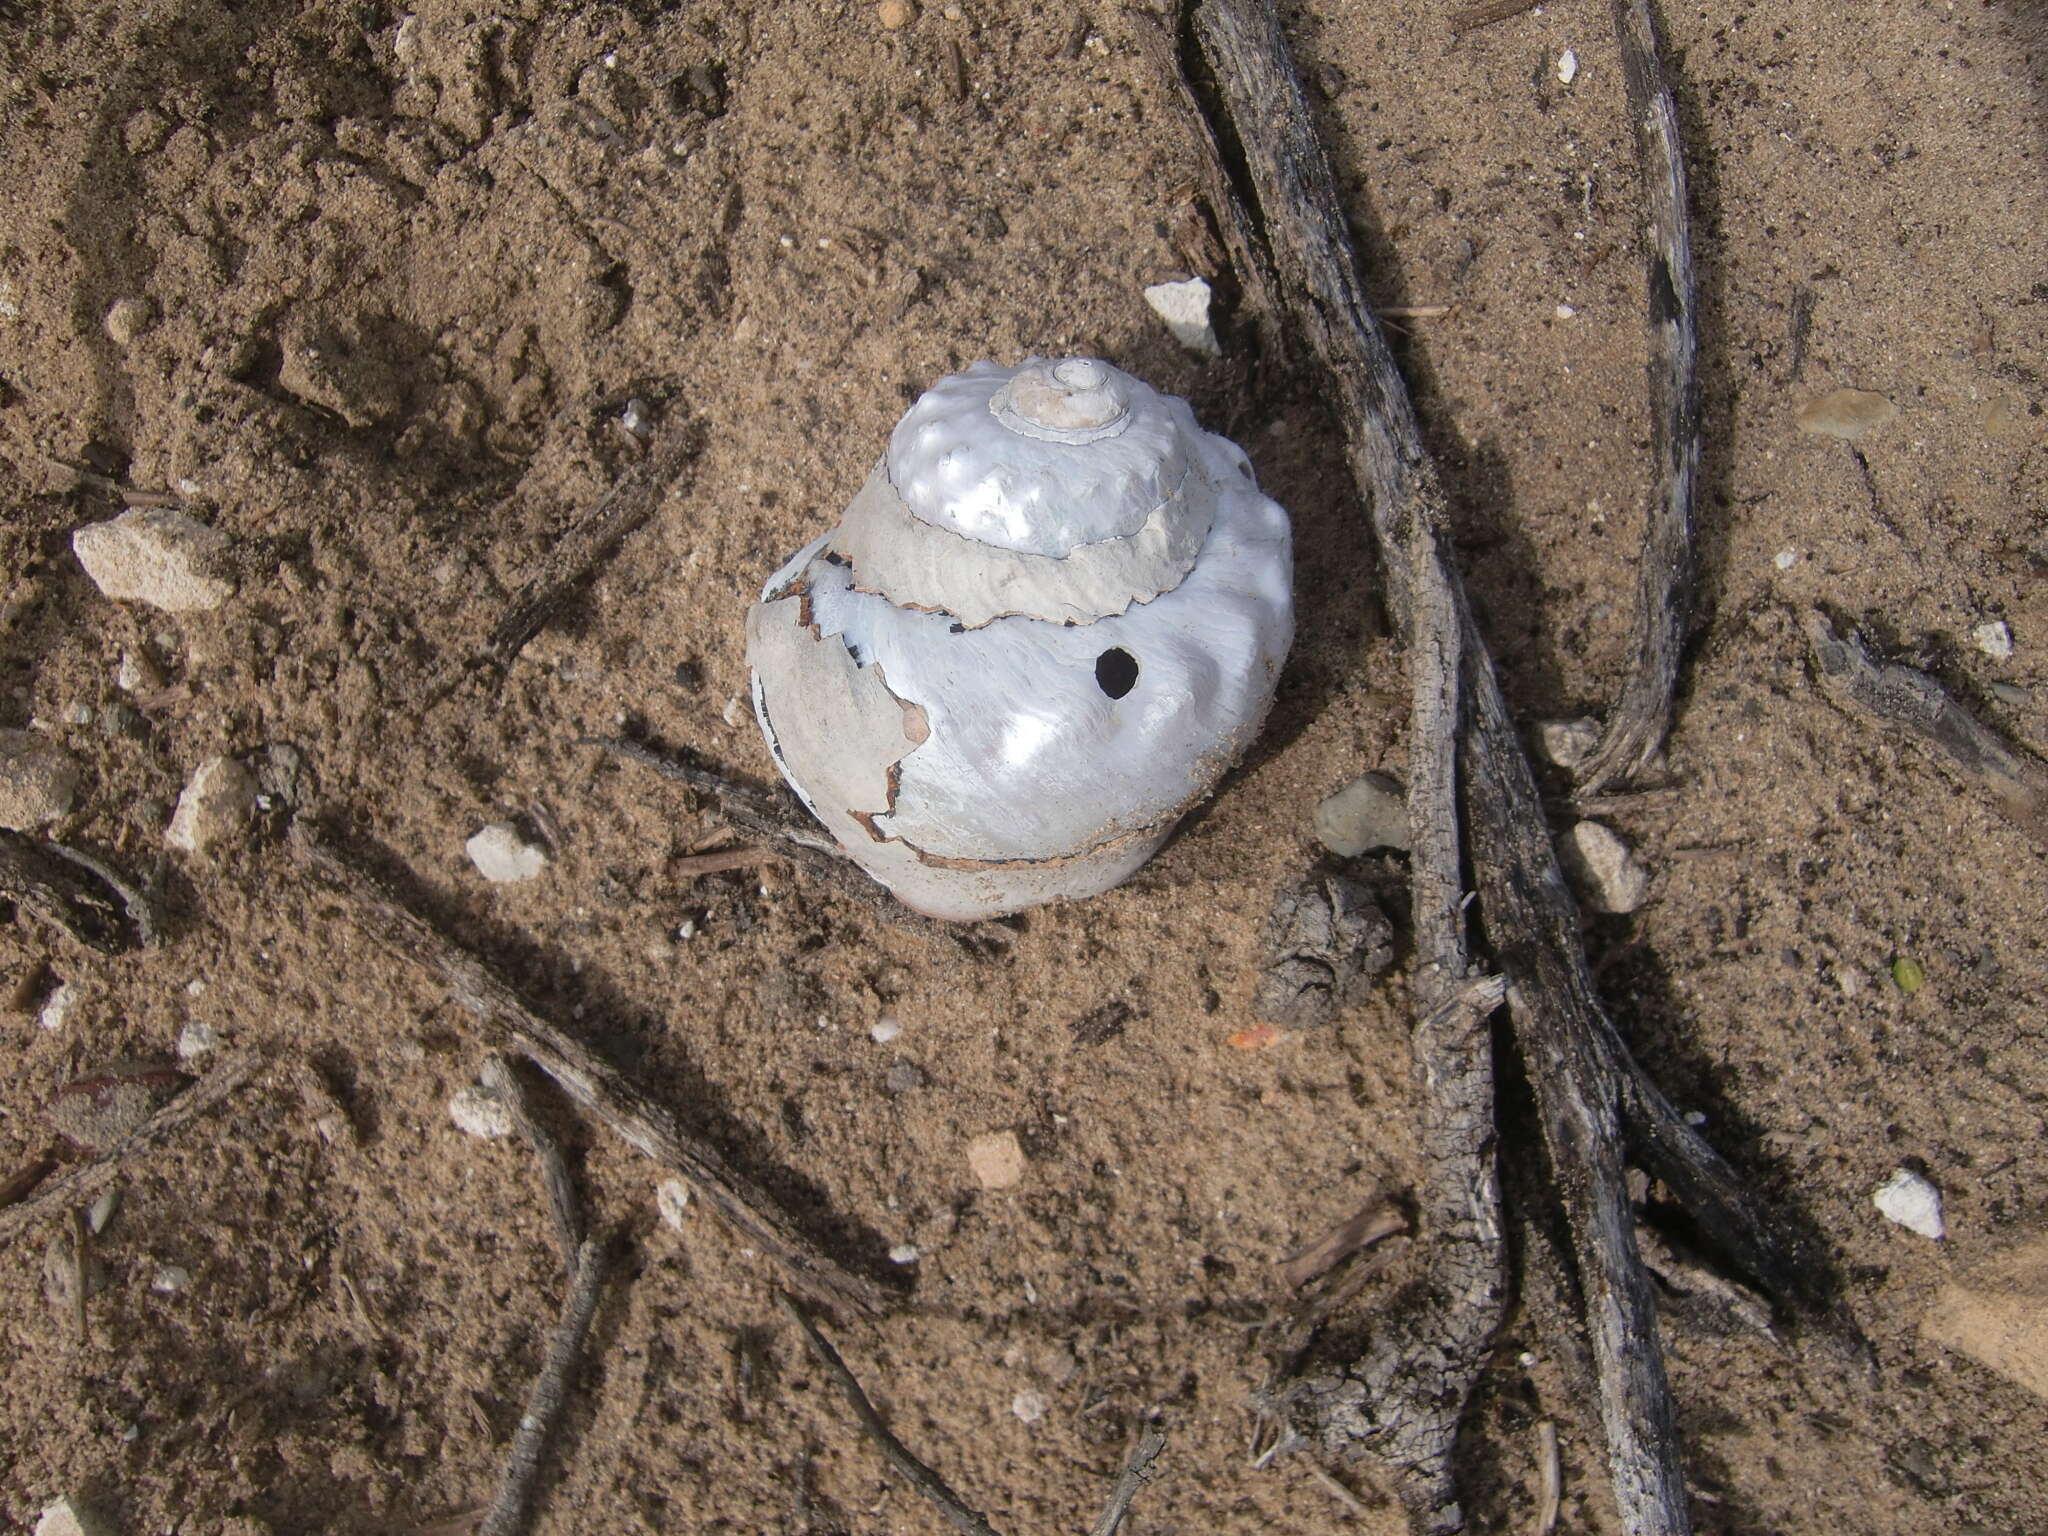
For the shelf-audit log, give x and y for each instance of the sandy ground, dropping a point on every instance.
(402, 275)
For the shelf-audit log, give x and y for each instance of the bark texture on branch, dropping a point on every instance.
(1666, 582)
(745, 1207)
(1583, 1076)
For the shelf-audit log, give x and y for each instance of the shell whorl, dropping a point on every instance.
(1064, 491)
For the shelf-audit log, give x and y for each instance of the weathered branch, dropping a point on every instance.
(2014, 781)
(929, 1485)
(85, 1181)
(585, 1076)
(1666, 579)
(52, 881)
(1136, 1473)
(511, 1508)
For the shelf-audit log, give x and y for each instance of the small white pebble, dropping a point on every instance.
(1785, 559)
(1694, 1117)
(1029, 1406)
(686, 930)
(672, 1199)
(103, 1210)
(1850, 980)
(1567, 67)
(884, 1029)
(171, 1279)
(1911, 1201)
(502, 856)
(904, 1253)
(195, 1040)
(734, 712)
(1565, 311)
(480, 1114)
(1994, 639)
(635, 418)
(57, 1005)
(196, 987)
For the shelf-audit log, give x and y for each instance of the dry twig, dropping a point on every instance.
(632, 499)
(511, 1508)
(933, 1488)
(1666, 578)
(45, 878)
(1471, 16)
(85, 1181)
(2015, 782)
(586, 1077)
(1582, 1074)
(929, 1485)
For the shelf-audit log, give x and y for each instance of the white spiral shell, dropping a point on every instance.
(1047, 624)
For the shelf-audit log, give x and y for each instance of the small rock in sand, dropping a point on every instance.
(997, 1160)
(1913, 1202)
(1845, 413)
(1567, 743)
(1185, 309)
(672, 1199)
(479, 1113)
(217, 806)
(503, 857)
(38, 780)
(128, 318)
(1029, 1406)
(1369, 812)
(158, 556)
(1607, 874)
(895, 15)
(1994, 639)
(68, 1517)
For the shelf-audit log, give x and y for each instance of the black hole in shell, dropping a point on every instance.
(1116, 671)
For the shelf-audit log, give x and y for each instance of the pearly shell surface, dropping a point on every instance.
(1047, 624)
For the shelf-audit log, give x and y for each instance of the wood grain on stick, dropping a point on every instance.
(748, 1209)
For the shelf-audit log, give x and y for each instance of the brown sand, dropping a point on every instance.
(776, 224)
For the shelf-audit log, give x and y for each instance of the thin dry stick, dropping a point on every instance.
(498, 1076)
(696, 864)
(597, 532)
(586, 1077)
(46, 878)
(928, 1483)
(1486, 15)
(1666, 581)
(757, 814)
(1911, 701)
(81, 1267)
(1550, 1478)
(1135, 1475)
(1577, 1063)
(511, 1508)
(79, 1186)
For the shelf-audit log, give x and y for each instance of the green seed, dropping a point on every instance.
(1908, 975)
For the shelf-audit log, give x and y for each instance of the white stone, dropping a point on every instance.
(57, 1006)
(1565, 311)
(1912, 1202)
(38, 781)
(884, 1029)
(195, 1040)
(1567, 743)
(480, 1114)
(1600, 864)
(159, 556)
(170, 1279)
(1994, 639)
(1785, 558)
(218, 805)
(1369, 812)
(502, 856)
(997, 1160)
(904, 1253)
(67, 1517)
(1185, 309)
(128, 318)
(1030, 1406)
(1567, 67)
(672, 1199)
(103, 1210)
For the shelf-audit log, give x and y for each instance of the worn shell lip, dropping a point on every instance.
(916, 565)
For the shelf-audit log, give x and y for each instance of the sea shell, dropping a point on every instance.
(1047, 624)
